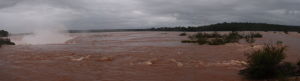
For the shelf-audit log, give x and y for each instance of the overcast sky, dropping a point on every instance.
(26, 15)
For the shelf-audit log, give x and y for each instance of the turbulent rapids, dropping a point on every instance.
(130, 56)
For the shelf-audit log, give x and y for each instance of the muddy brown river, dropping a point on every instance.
(132, 56)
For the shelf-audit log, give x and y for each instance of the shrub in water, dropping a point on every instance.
(286, 69)
(217, 41)
(265, 63)
(3, 38)
(286, 32)
(250, 39)
(183, 34)
(256, 35)
(201, 38)
(207, 35)
(233, 37)
(202, 41)
(5, 41)
(198, 36)
(215, 35)
(279, 42)
(298, 69)
(188, 41)
(3, 33)
(201, 35)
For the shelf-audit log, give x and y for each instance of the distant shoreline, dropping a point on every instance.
(213, 27)
(234, 26)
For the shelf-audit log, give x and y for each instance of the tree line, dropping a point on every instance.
(234, 26)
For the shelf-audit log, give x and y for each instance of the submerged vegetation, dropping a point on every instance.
(3, 38)
(218, 39)
(183, 34)
(267, 63)
(3, 33)
(286, 32)
(5, 41)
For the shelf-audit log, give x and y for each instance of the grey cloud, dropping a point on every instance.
(213, 11)
(107, 14)
(7, 3)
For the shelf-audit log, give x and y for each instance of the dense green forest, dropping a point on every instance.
(235, 26)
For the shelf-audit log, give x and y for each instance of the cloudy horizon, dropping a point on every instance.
(29, 15)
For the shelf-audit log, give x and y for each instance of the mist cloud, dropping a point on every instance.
(31, 15)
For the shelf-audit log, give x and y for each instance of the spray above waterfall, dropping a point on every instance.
(44, 23)
(44, 36)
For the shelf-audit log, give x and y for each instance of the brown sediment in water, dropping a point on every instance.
(132, 56)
